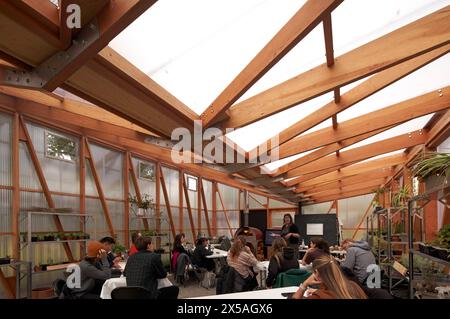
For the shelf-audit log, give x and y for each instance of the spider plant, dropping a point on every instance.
(432, 163)
(399, 199)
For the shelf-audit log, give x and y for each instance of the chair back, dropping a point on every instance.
(168, 292)
(292, 277)
(130, 293)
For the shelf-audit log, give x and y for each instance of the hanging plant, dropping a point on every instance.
(400, 198)
(431, 164)
(378, 192)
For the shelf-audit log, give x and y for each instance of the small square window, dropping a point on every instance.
(60, 147)
(192, 183)
(147, 171)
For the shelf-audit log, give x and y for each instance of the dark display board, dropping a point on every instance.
(256, 218)
(326, 222)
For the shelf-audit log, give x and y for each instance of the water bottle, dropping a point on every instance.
(303, 243)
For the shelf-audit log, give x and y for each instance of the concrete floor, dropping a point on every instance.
(192, 289)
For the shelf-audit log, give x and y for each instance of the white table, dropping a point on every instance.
(217, 253)
(114, 283)
(256, 294)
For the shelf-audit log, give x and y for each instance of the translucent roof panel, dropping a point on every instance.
(356, 22)
(195, 48)
(254, 134)
(383, 155)
(428, 78)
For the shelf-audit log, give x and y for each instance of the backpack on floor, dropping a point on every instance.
(209, 280)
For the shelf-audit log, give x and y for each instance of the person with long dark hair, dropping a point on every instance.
(282, 260)
(178, 244)
(241, 259)
(200, 253)
(333, 284)
(290, 233)
(318, 247)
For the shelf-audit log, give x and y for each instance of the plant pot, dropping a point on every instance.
(141, 212)
(5, 261)
(433, 251)
(42, 293)
(443, 254)
(34, 238)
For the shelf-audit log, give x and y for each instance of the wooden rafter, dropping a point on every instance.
(345, 181)
(348, 188)
(405, 43)
(44, 185)
(98, 185)
(360, 92)
(333, 175)
(324, 151)
(388, 116)
(363, 152)
(344, 195)
(298, 27)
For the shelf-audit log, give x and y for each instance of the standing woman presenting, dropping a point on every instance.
(290, 233)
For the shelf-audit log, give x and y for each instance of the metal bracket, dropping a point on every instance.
(42, 74)
(166, 143)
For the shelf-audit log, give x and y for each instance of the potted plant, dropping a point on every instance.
(378, 193)
(49, 237)
(400, 198)
(433, 168)
(119, 250)
(41, 238)
(141, 207)
(34, 238)
(5, 260)
(443, 243)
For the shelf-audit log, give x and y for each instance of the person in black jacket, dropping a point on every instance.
(199, 256)
(283, 259)
(144, 268)
(290, 233)
(178, 244)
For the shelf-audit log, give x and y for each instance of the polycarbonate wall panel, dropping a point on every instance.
(5, 149)
(321, 208)
(40, 223)
(28, 176)
(207, 189)
(116, 211)
(61, 175)
(5, 211)
(69, 223)
(171, 177)
(109, 166)
(254, 201)
(147, 187)
(277, 204)
(94, 207)
(351, 210)
(230, 196)
(90, 187)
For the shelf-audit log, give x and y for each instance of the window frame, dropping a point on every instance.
(143, 177)
(46, 143)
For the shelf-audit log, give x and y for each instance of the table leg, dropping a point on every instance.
(18, 281)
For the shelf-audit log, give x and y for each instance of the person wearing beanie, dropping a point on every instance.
(92, 277)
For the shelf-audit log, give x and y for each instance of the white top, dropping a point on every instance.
(256, 294)
(218, 253)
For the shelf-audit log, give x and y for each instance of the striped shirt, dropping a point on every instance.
(243, 263)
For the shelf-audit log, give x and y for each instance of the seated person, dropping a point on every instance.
(133, 248)
(108, 244)
(93, 277)
(318, 247)
(199, 256)
(332, 282)
(178, 244)
(359, 257)
(241, 259)
(282, 260)
(372, 293)
(144, 268)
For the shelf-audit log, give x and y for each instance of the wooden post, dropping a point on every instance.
(214, 207)
(126, 203)
(180, 199)
(199, 204)
(82, 188)
(43, 182)
(167, 201)
(99, 186)
(16, 188)
(158, 202)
